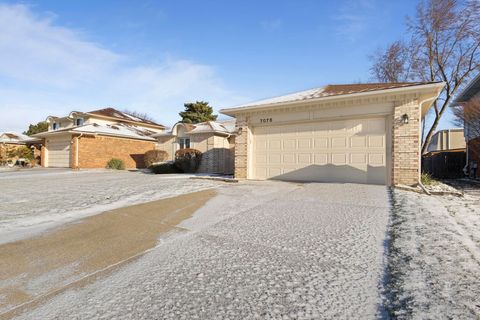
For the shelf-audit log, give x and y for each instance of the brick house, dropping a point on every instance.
(472, 128)
(363, 133)
(215, 139)
(91, 139)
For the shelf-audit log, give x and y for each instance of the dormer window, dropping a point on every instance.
(79, 122)
(54, 126)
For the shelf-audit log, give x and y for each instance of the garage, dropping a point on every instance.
(59, 152)
(349, 133)
(352, 150)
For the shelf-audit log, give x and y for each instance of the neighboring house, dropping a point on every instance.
(471, 129)
(215, 139)
(445, 156)
(364, 133)
(11, 141)
(91, 139)
(447, 140)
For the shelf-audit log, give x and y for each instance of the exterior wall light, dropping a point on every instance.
(405, 118)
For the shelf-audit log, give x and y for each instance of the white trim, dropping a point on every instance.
(414, 88)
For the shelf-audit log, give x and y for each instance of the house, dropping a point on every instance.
(469, 95)
(215, 139)
(445, 156)
(363, 133)
(447, 140)
(91, 139)
(12, 141)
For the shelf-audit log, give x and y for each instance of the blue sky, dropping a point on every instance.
(152, 56)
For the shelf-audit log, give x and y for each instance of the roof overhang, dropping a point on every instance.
(89, 133)
(472, 89)
(428, 92)
(143, 124)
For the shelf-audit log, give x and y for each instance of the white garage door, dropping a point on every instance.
(352, 150)
(59, 152)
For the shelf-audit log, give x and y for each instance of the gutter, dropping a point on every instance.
(230, 111)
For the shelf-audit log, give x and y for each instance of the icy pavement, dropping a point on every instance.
(258, 250)
(435, 257)
(33, 200)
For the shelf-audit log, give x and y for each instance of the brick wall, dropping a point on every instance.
(474, 153)
(241, 148)
(406, 144)
(95, 152)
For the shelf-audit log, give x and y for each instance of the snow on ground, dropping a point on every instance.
(435, 257)
(256, 251)
(33, 200)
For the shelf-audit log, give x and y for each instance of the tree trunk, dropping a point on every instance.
(430, 134)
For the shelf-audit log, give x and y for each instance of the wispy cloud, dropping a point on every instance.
(272, 24)
(49, 69)
(354, 17)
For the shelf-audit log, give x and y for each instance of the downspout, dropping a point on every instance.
(422, 102)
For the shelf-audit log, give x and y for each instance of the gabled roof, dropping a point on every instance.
(329, 91)
(115, 130)
(116, 114)
(221, 127)
(16, 138)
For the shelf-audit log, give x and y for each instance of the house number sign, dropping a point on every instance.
(266, 120)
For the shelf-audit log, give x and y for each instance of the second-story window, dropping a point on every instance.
(54, 126)
(79, 121)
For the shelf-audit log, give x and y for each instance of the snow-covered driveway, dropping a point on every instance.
(33, 200)
(265, 250)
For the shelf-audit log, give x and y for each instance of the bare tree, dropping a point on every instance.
(468, 115)
(140, 115)
(392, 64)
(443, 46)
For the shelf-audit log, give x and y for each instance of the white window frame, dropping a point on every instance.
(183, 143)
(79, 122)
(54, 126)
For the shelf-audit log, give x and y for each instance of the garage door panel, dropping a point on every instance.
(376, 141)
(289, 158)
(358, 158)
(358, 141)
(339, 142)
(351, 150)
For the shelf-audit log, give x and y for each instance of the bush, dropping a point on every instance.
(116, 164)
(22, 152)
(188, 160)
(426, 179)
(154, 156)
(163, 168)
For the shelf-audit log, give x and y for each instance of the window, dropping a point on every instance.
(54, 126)
(79, 121)
(184, 143)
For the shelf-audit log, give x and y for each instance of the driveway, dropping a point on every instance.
(265, 250)
(32, 201)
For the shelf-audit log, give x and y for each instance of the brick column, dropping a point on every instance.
(406, 143)
(43, 158)
(241, 148)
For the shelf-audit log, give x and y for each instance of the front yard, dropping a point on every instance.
(434, 256)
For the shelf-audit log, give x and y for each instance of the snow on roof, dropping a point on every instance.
(330, 90)
(16, 138)
(226, 127)
(114, 113)
(120, 129)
